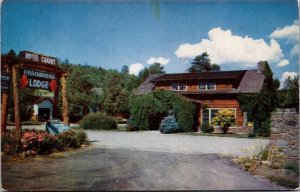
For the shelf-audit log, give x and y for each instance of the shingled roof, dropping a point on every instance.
(251, 81)
(200, 76)
(147, 86)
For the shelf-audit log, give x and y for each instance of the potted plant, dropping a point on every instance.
(224, 118)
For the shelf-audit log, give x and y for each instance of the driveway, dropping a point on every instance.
(94, 169)
(139, 161)
(176, 143)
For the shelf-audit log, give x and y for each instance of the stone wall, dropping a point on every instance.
(285, 132)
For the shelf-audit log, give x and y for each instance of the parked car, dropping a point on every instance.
(55, 126)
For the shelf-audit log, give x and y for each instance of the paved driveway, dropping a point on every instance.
(155, 141)
(139, 161)
(96, 169)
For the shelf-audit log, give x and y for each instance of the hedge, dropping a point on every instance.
(98, 121)
(148, 110)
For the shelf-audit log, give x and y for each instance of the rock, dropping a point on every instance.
(282, 144)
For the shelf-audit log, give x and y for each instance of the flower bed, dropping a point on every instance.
(35, 142)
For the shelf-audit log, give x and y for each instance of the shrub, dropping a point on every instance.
(169, 125)
(206, 128)
(10, 143)
(33, 142)
(291, 166)
(148, 111)
(225, 118)
(263, 127)
(98, 121)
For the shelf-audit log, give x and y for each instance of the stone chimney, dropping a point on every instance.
(261, 66)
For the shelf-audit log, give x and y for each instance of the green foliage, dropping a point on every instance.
(169, 125)
(224, 118)
(80, 92)
(264, 127)
(115, 97)
(260, 106)
(34, 142)
(155, 68)
(288, 97)
(291, 166)
(125, 69)
(116, 88)
(206, 128)
(148, 110)
(98, 121)
(201, 63)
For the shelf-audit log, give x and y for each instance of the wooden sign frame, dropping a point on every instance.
(12, 64)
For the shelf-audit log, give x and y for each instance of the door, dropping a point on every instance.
(44, 114)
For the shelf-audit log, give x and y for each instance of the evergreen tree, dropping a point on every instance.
(202, 63)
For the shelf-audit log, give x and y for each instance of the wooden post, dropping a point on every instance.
(65, 107)
(55, 101)
(4, 107)
(4, 101)
(16, 99)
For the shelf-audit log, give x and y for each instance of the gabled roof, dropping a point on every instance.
(200, 76)
(147, 86)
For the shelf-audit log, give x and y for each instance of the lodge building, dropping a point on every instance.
(210, 91)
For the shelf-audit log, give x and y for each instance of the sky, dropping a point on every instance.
(111, 34)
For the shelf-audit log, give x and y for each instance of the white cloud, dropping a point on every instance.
(224, 47)
(289, 32)
(135, 68)
(160, 60)
(283, 63)
(285, 76)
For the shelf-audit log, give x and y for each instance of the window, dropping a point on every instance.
(207, 86)
(209, 113)
(178, 87)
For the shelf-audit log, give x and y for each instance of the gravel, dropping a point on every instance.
(175, 143)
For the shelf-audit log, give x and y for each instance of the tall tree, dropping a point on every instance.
(115, 97)
(80, 93)
(202, 63)
(155, 68)
(125, 69)
(288, 97)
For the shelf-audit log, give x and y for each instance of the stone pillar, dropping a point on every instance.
(285, 132)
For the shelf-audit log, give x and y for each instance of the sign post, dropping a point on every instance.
(4, 100)
(36, 71)
(16, 99)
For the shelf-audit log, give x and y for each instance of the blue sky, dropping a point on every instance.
(110, 34)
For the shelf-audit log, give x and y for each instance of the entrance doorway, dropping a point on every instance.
(44, 114)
